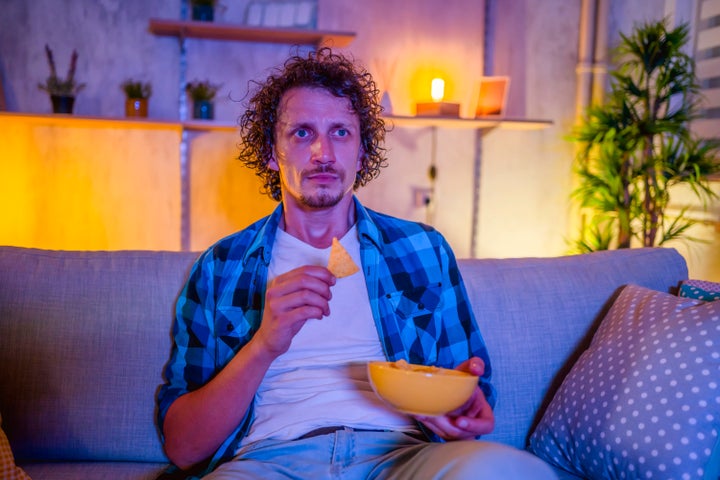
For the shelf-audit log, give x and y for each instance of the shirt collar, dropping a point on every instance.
(265, 237)
(368, 232)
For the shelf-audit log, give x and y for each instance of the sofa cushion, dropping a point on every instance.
(644, 399)
(95, 470)
(83, 340)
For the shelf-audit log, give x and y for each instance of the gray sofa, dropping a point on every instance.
(84, 337)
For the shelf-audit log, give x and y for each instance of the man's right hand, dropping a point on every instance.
(290, 300)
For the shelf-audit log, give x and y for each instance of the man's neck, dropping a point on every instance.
(318, 226)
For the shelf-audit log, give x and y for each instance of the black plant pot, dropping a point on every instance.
(203, 109)
(62, 103)
(203, 13)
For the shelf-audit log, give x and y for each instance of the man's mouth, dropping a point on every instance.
(322, 174)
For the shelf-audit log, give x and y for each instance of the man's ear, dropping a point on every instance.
(361, 157)
(272, 163)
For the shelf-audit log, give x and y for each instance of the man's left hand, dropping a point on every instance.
(472, 419)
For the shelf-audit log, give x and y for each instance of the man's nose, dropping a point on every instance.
(322, 150)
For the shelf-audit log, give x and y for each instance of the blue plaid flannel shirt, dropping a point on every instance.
(417, 297)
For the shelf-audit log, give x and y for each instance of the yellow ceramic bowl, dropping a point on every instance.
(420, 390)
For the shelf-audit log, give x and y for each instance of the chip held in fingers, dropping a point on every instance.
(341, 263)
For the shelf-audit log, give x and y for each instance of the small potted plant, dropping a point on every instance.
(202, 94)
(203, 10)
(62, 90)
(137, 94)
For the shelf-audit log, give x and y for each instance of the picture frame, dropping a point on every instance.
(282, 13)
(492, 96)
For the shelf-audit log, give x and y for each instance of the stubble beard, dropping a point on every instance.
(323, 197)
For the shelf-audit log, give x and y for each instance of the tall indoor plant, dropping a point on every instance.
(636, 148)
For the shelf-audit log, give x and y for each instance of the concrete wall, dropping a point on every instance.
(404, 48)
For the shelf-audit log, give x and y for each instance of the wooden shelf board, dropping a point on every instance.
(87, 121)
(472, 123)
(232, 32)
(226, 126)
(210, 125)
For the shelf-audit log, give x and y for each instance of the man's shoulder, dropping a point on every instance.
(235, 246)
(393, 228)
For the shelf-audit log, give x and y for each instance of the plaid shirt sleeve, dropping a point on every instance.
(216, 313)
(190, 360)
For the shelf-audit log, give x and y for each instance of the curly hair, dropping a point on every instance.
(320, 69)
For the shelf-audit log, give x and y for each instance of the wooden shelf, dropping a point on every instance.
(210, 126)
(404, 121)
(231, 32)
(222, 126)
(467, 123)
(62, 119)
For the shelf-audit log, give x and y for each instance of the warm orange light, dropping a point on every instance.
(437, 89)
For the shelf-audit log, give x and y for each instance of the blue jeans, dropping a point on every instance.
(347, 454)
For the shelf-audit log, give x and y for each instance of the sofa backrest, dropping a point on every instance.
(83, 340)
(537, 315)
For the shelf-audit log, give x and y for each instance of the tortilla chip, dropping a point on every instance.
(341, 263)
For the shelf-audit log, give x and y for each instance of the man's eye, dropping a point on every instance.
(302, 133)
(342, 132)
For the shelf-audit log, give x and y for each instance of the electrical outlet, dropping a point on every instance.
(422, 196)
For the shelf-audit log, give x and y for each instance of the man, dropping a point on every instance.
(267, 374)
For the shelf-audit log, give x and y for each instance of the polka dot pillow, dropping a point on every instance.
(643, 401)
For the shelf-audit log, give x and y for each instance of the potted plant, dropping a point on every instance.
(637, 148)
(203, 10)
(202, 94)
(136, 97)
(62, 91)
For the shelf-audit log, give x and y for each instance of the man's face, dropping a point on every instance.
(317, 147)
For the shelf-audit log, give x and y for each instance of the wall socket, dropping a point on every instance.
(422, 196)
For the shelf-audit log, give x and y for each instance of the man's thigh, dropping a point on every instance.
(462, 460)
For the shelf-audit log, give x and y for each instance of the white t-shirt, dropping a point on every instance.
(322, 379)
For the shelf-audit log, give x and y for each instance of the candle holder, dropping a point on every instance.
(438, 108)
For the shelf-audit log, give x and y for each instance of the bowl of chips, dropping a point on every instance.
(420, 389)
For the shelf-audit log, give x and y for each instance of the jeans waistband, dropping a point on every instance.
(334, 428)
